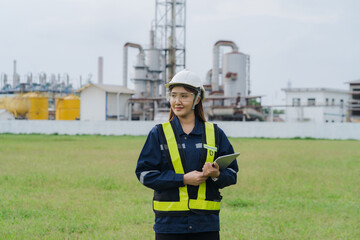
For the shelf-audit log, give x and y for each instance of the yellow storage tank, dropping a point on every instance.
(39, 106)
(68, 108)
(3, 102)
(18, 106)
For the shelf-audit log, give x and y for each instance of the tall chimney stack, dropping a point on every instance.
(15, 76)
(100, 70)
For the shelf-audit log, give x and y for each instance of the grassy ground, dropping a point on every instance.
(84, 187)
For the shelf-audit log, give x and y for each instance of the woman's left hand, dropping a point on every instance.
(211, 171)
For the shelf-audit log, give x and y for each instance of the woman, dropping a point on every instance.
(176, 162)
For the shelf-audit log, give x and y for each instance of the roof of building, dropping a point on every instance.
(315, 90)
(108, 88)
(355, 81)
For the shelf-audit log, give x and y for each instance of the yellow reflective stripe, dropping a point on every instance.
(181, 205)
(202, 191)
(210, 142)
(183, 193)
(185, 203)
(204, 205)
(173, 149)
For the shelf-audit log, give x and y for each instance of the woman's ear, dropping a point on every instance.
(198, 100)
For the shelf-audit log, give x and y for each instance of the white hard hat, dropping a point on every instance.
(187, 78)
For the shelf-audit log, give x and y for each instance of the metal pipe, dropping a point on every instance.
(125, 59)
(163, 75)
(130, 111)
(15, 76)
(117, 105)
(127, 110)
(100, 70)
(208, 77)
(216, 57)
(152, 39)
(248, 74)
(172, 44)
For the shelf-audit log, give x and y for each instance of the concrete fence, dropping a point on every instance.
(232, 129)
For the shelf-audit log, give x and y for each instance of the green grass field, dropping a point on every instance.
(84, 187)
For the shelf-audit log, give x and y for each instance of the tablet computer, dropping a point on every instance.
(226, 160)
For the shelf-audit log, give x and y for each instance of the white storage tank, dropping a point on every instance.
(140, 67)
(154, 64)
(153, 60)
(234, 70)
(141, 79)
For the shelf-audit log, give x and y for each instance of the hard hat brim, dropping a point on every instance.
(199, 90)
(168, 85)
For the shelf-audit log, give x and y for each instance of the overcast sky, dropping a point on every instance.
(310, 43)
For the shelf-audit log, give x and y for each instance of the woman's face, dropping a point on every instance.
(181, 102)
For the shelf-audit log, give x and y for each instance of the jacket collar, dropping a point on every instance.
(196, 131)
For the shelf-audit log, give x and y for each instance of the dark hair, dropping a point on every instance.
(199, 110)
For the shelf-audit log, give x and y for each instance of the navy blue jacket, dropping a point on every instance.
(154, 172)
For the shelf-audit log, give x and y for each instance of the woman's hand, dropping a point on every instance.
(211, 171)
(194, 178)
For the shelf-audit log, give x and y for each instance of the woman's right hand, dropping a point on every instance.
(194, 178)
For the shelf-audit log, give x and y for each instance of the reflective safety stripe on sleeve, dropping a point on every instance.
(143, 174)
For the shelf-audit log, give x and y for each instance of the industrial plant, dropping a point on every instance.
(227, 83)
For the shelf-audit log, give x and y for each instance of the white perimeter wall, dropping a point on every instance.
(232, 129)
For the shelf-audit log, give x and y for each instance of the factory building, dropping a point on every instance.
(319, 105)
(104, 102)
(227, 83)
(354, 101)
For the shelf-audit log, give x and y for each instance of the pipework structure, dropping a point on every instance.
(158, 64)
(170, 34)
(228, 86)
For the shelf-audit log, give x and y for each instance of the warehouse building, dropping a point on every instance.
(104, 102)
(319, 105)
(354, 101)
